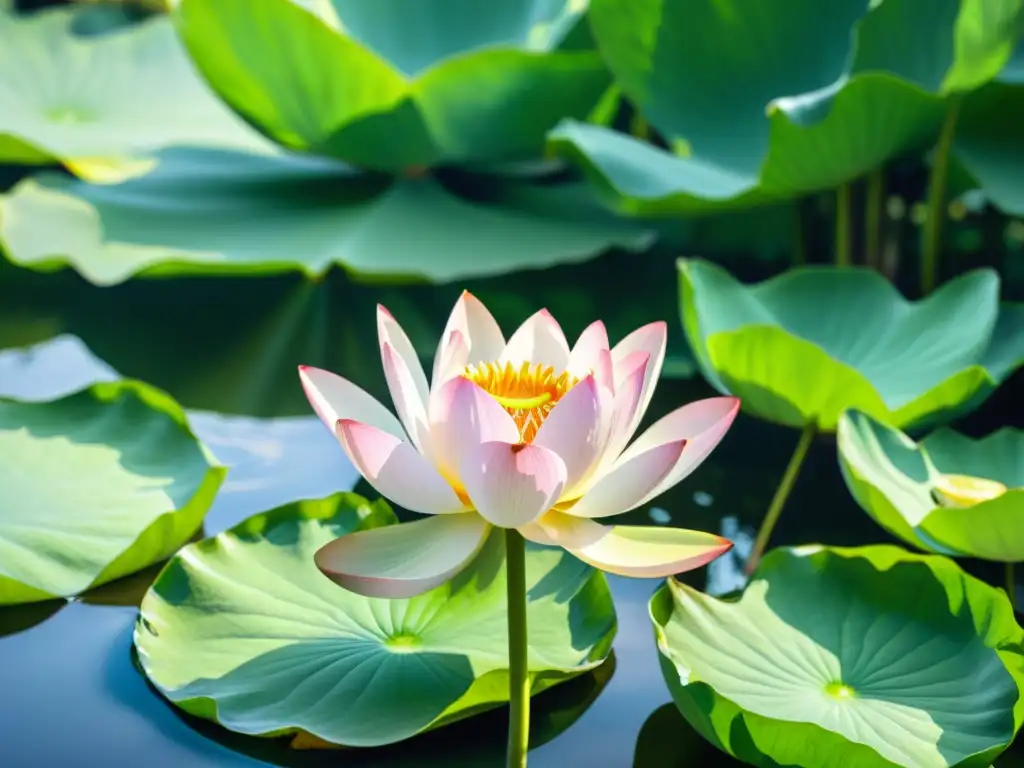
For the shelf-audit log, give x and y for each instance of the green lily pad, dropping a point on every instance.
(391, 86)
(803, 347)
(214, 212)
(869, 658)
(102, 105)
(759, 104)
(97, 485)
(893, 478)
(989, 143)
(243, 629)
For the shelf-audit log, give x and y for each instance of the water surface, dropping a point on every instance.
(70, 693)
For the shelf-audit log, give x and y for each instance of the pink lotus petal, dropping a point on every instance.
(604, 371)
(585, 357)
(462, 416)
(538, 340)
(628, 395)
(412, 410)
(624, 406)
(702, 424)
(333, 398)
(400, 561)
(628, 483)
(478, 327)
(638, 551)
(451, 359)
(396, 470)
(389, 332)
(577, 430)
(512, 484)
(651, 339)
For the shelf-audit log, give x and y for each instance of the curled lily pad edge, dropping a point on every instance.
(193, 512)
(976, 378)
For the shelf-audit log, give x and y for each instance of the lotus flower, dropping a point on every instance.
(526, 434)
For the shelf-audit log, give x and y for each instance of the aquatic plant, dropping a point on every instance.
(528, 436)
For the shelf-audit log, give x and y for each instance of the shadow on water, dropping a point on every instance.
(668, 741)
(19, 618)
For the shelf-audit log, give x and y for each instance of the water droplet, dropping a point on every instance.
(660, 516)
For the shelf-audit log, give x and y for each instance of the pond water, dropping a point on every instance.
(70, 693)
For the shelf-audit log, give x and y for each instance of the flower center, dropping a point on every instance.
(965, 491)
(527, 393)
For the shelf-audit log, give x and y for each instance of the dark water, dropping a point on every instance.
(70, 694)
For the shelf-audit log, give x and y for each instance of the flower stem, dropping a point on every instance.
(937, 199)
(639, 127)
(844, 203)
(781, 494)
(1011, 586)
(518, 677)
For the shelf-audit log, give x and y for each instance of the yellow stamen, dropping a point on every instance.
(966, 491)
(527, 392)
(522, 403)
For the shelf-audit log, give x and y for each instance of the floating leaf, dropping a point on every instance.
(392, 86)
(207, 211)
(869, 657)
(899, 483)
(989, 143)
(97, 485)
(103, 105)
(348, 669)
(803, 347)
(760, 103)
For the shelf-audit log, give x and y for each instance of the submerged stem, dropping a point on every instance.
(844, 202)
(937, 199)
(781, 494)
(873, 218)
(1011, 585)
(518, 678)
(800, 247)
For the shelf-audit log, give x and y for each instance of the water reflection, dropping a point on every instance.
(272, 462)
(81, 702)
(51, 369)
(727, 574)
(239, 354)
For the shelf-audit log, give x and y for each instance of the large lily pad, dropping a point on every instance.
(894, 479)
(208, 211)
(243, 629)
(990, 143)
(96, 485)
(803, 347)
(759, 103)
(869, 657)
(389, 85)
(102, 105)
